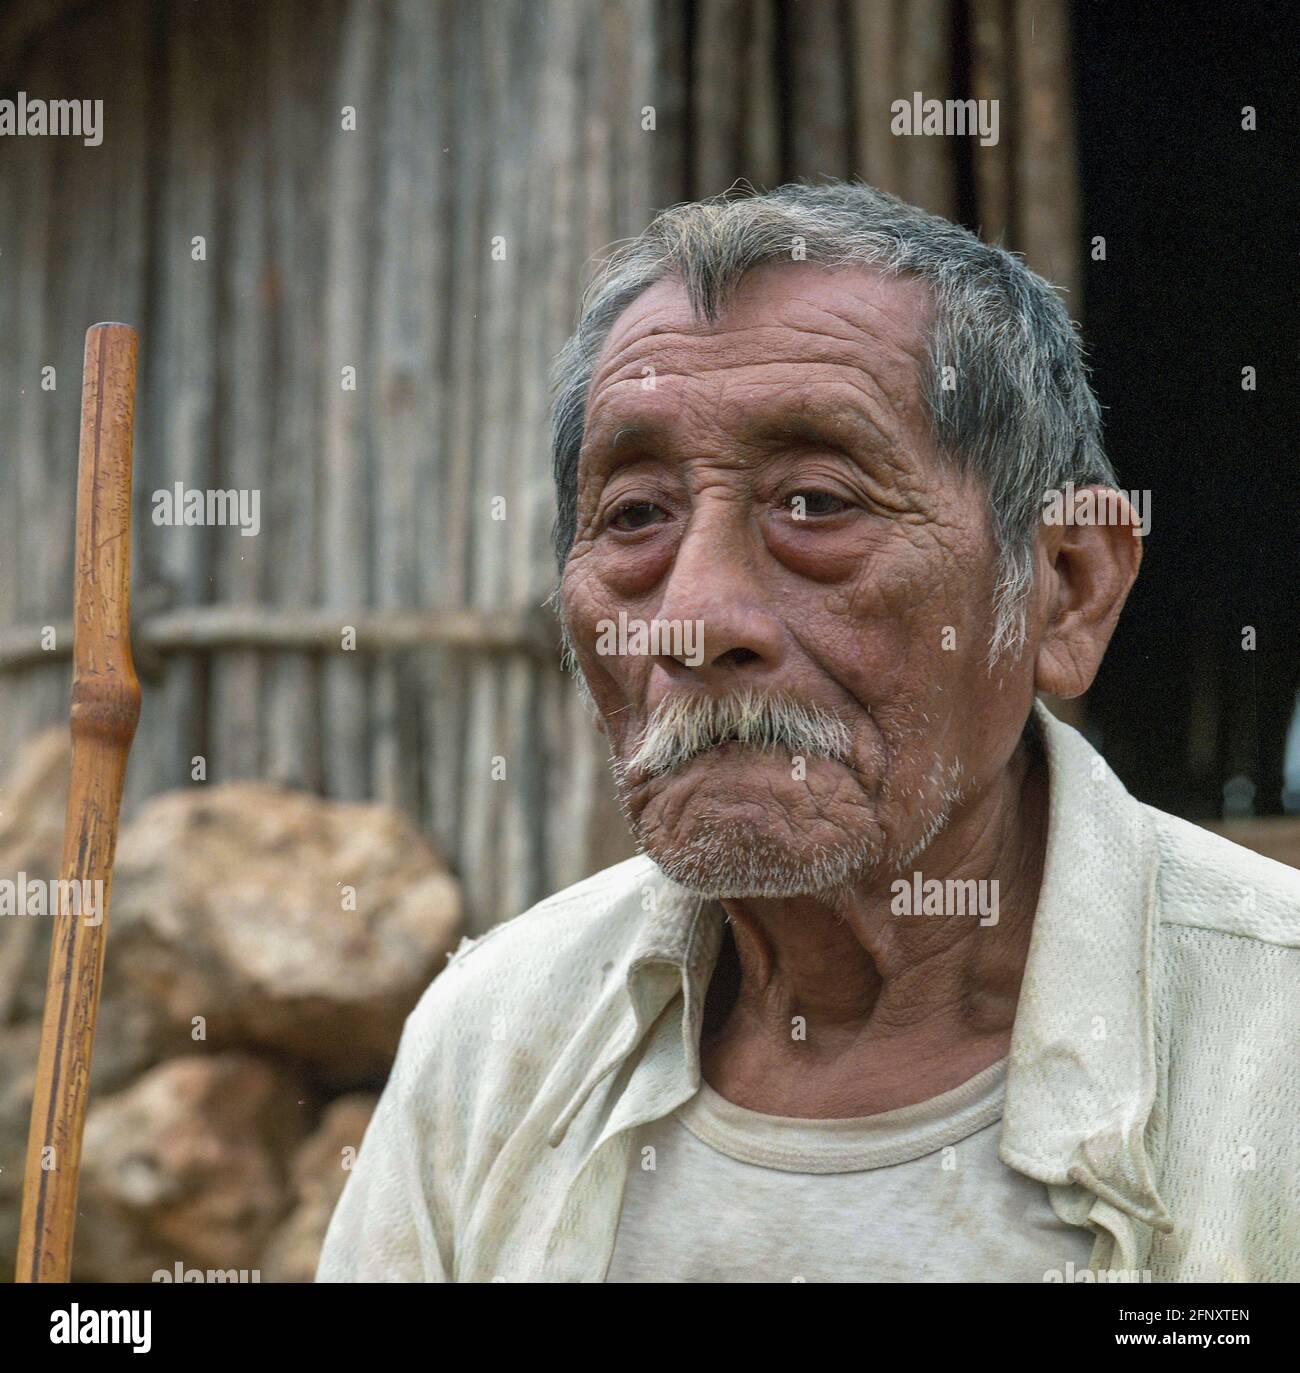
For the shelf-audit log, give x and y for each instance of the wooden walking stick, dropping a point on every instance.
(105, 708)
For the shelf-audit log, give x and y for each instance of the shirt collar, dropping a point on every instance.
(678, 937)
(1081, 1082)
(1081, 1079)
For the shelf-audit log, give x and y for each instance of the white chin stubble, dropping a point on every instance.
(729, 858)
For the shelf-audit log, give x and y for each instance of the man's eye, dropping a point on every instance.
(635, 515)
(803, 504)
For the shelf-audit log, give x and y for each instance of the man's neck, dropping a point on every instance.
(842, 1007)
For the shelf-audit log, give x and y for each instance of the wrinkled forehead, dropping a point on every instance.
(796, 343)
(779, 312)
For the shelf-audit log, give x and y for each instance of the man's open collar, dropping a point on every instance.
(1081, 1079)
(678, 937)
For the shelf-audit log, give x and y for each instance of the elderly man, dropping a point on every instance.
(905, 985)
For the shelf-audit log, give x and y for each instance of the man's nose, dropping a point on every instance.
(716, 586)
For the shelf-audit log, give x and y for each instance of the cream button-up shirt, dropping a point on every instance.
(1153, 1083)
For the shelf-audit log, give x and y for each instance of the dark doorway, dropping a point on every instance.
(1198, 282)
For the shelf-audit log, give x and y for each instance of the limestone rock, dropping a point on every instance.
(33, 798)
(189, 1165)
(32, 801)
(17, 1074)
(320, 1169)
(281, 921)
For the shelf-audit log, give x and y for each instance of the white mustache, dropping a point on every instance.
(685, 725)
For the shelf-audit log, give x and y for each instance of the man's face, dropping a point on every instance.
(773, 478)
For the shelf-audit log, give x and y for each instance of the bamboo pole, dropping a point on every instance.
(347, 466)
(105, 708)
(818, 109)
(992, 41)
(926, 167)
(873, 37)
(717, 93)
(1047, 186)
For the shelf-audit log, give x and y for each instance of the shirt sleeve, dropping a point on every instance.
(382, 1229)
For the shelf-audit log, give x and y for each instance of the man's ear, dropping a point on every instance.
(1089, 570)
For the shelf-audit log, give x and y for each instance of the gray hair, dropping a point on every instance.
(1020, 414)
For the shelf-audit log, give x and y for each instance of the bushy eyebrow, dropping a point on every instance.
(798, 433)
(841, 429)
(627, 436)
(630, 434)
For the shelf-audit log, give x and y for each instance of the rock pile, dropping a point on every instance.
(264, 949)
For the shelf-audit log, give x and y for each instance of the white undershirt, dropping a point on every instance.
(718, 1193)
